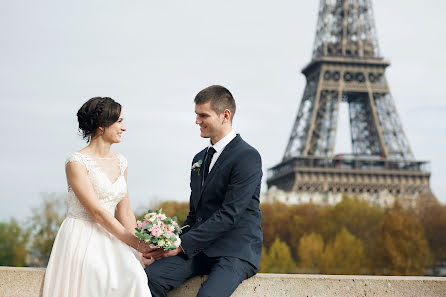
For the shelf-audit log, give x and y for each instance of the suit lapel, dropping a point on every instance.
(221, 159)
(196, 181)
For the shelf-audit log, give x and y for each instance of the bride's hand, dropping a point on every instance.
(144, 247)
(150, 252)
(146, 261)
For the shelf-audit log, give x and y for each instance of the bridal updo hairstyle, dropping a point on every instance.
(97, 112)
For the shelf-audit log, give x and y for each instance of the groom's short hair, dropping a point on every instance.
(219, 97)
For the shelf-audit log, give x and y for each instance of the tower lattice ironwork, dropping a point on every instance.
(346, 66)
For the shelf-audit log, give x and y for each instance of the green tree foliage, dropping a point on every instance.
(45, 223)
(343, 255)
(406, 251)
(13, 241)
(277, 259)
(311, 247)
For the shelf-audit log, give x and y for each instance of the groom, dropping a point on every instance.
(223, 237)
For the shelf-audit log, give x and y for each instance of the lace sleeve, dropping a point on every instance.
(76, 157)
(123, 163)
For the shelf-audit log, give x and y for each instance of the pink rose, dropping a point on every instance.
(168, 233)
(156, 231)
(143, 224)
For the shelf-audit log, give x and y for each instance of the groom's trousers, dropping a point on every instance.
(224, 274)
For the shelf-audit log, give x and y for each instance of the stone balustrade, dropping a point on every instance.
(28, 282)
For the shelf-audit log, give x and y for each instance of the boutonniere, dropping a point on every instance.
(197, 166)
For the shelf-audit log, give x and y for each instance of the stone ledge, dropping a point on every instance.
(28, 282)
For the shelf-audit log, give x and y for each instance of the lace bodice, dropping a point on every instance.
(109, 191)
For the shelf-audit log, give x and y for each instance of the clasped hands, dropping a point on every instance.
(149, 254)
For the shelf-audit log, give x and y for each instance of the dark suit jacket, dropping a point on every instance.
(224, 216)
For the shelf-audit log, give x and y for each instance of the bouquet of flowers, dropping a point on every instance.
(159, 231)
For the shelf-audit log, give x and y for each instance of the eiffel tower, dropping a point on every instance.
(346, 66)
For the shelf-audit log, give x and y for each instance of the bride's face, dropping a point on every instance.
(113, 132)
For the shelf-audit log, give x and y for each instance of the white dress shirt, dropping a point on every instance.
(220, 146)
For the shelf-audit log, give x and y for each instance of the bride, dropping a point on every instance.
(95, 252)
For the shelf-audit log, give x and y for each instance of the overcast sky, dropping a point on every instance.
(154, 56)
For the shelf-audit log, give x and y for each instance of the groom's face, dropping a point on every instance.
(211, 124)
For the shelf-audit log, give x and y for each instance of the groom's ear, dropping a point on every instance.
(226, 116)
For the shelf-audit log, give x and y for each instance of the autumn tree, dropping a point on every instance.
(362, 220)
(432, 216)
(171, 208)
(45, 222)
(13, 241)
(264, 261)
(353, 233)
(343, 255)
(406, 251)
(311, 247)
(275, 221)
(303, 219)
(175, 208)
(277, 259)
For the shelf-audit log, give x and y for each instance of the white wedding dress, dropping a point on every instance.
(87, 260)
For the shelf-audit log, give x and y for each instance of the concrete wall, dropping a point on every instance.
(28, 282)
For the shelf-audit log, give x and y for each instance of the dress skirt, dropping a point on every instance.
(88, 261)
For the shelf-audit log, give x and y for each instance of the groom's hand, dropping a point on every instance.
(172, 252)
(155, 253)
(159, 253)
